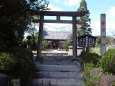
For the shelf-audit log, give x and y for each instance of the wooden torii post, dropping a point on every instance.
(58, 14)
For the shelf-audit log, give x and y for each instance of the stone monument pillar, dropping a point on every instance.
(103, 34)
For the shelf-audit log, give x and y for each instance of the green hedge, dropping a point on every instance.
(18, 63)
(108, 61)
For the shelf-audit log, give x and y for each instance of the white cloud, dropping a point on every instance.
(95, 28)
(110, 28)
(71, 2)
(112, 12)
(56, 1)
(53, 8)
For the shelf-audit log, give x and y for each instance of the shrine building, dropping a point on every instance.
(56, 38)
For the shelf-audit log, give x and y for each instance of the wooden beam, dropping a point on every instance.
(40, 37)
(62, 13)
(58, 21)
(58, 18)
(74, 38)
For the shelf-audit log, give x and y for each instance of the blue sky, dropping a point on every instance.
(96, 7)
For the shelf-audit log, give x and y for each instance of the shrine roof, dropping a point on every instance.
(57, 35)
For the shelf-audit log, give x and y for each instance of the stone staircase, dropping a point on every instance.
(58, 75)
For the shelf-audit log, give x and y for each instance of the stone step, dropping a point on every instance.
(61, 68)
(47, 74)
(58, 82)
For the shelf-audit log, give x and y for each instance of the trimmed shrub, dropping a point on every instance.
(91, 58)
(108, 61)
(18, 63)
(66, 44)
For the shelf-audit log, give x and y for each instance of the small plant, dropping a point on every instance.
(108, 74)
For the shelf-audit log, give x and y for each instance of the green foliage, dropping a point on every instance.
(90, 58)
(15, 16)
(90, 61)
(108, 61)
(2, 46)
(35, 41)
(18, 63)
(98, 41)
(96, 50)
(89, 80)
(24, 43)
(66, 44)
(44, 44)
(87, 67)
(109, 40)
(13, 21)
(6, 61)
(108, 74)
(84, 28)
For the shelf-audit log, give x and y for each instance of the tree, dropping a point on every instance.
(109, 40)
(15, 16)
(84, 28)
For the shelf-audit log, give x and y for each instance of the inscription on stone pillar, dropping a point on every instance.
(103, 34)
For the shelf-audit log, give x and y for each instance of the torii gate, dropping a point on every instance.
(58, 14)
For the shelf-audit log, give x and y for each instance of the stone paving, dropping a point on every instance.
(57, 60)
(58, 71)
